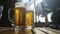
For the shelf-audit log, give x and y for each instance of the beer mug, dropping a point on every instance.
(29, 18)
(30, 15)
(17, 15)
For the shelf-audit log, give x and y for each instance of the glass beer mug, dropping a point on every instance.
(17, 15)
(22, 15)
(30, 15)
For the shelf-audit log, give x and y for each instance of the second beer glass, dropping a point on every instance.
(30, 16)
(29, 19)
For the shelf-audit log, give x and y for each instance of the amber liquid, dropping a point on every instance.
(29, 18)
(20, 16)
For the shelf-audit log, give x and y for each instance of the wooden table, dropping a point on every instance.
(38, 30)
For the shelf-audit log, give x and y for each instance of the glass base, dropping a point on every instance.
(29, 27)
(18, 28)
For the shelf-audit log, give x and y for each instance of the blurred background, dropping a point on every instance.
(46, 14)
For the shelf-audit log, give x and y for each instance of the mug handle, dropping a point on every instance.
(11, 15)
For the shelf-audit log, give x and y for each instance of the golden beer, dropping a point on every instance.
(20, 16)
(29, 18)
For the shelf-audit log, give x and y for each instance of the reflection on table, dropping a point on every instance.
(12, 31)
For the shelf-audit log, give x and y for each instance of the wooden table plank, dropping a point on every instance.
(38, 31)
(54, 30)
(49, 32)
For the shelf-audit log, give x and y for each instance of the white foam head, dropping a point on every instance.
(31, 7)
(19, 4)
